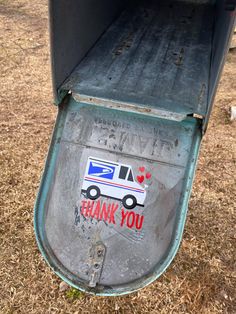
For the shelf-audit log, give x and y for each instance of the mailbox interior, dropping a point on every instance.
(137, 73)
(158, 54)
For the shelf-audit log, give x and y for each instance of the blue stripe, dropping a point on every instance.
(118, 187)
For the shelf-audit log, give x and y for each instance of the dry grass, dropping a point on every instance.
(202, 278)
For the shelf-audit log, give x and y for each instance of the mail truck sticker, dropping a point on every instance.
(112, 180)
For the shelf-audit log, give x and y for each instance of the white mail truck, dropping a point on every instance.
(113, 180)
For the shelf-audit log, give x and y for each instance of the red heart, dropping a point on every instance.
(148, 175)
(140, 179)
(141, 169)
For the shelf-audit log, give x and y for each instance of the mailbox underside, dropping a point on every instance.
(156, 55)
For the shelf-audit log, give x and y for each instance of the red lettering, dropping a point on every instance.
(97, 210)
(89, 209)
(123, 216)
(130, 222)
(139, 221)
(112, 214)
(105, 212)
(83, 207)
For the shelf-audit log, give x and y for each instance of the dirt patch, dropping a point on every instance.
(202, 276)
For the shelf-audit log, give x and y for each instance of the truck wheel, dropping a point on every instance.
(93, 192)
(129, 201)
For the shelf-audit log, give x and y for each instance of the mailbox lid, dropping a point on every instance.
(101, 243)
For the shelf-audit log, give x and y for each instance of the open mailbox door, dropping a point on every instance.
(135, 83)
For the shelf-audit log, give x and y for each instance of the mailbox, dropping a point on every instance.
(134, 82)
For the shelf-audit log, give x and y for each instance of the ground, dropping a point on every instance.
(201, 279)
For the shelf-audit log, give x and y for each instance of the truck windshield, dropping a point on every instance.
(130, 177)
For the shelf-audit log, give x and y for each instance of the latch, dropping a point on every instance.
(98, 252)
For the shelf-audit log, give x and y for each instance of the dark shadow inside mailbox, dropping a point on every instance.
(134, 83)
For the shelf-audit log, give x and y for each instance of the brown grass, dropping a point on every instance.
(202, 278)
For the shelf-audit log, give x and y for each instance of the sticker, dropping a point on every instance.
(122, 190)
(141, 169)
(106, 211)
(140, 179)
(115, 181)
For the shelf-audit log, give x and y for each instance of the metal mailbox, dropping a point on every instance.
(134, 82)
